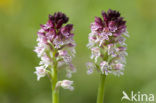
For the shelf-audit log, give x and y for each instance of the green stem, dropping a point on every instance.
(55, 93)
(100, 96)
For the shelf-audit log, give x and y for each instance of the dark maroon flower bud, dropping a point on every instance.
(51, 17)
(112, 26)
(66, 30)
(112, 14)
(59, 24)
(60, 16)
(58, 19)
(69, 27)
(112, 22)
(99, 22)
(104, 16)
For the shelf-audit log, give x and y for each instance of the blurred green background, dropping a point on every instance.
(19, 23)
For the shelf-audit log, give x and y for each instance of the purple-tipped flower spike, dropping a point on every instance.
(55, 48)
(108, 47)
(53, 37)
(107, 43)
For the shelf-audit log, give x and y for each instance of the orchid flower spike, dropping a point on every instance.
(55, 47)
(107, 44)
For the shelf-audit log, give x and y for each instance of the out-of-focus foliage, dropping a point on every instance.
(19, 22)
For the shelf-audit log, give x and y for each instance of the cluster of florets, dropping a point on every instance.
(55, 45)
(107, 44)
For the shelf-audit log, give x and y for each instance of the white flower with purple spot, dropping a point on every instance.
(66, 84)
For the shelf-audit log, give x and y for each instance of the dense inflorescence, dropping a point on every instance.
(107, 44)
(56, 46)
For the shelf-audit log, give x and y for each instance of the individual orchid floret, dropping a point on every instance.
(65, 56)
(40, 72)
(95, 53)
(104, 67)
(66, 84)
(71, 69)
(107, 43)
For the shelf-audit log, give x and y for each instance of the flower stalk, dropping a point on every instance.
(55, 93)
(100, 95)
